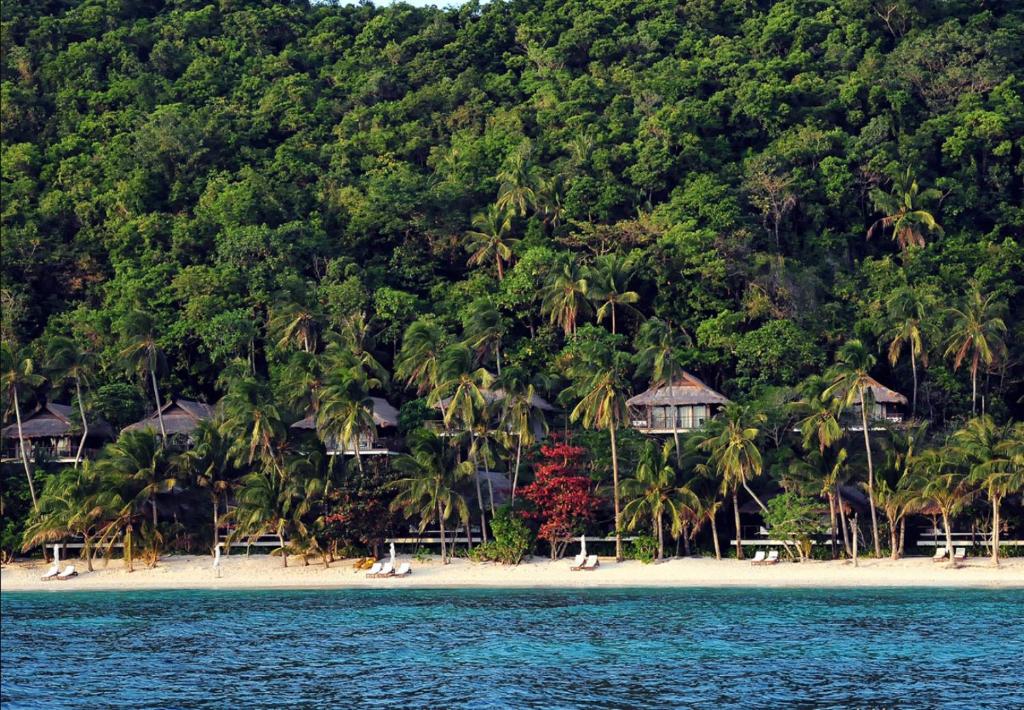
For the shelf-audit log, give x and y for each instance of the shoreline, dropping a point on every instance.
(195, 572)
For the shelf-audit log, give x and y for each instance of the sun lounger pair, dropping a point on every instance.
(940, 554)
(54, 573)
(760, 558)
(386, 569)
(587, 563)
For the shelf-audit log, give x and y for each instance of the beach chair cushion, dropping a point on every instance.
(758, 557)
(68, 572)
(403, 569)
(773, 557)
(960, 553)
(940, 554)
(52, 572)
(591, 563)
(373, 571)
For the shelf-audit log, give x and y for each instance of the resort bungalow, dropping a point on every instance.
(377, 442)
(685, 405)
(180, 416)
(52, 434)
(492, 398)
(884, 408)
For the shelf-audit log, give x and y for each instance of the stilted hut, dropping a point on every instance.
(685, 405)
(885, 408)
(52, 434)
(378, 442)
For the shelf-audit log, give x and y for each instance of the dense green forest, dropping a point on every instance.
(235, 197)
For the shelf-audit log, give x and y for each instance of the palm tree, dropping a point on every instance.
(851, 382)
(905, 211)
(549, 200)
(978, 330)
(520, 417)
(252, 423)
(72, 503)
(518, 181)
(274, 502)
(484, 328)
(208, 463)
(296, 323)
(941, 480)
(419, 359)
(490, 239)
(897, 496)
(144, 355)
(654, 492)
(17, 373)
(603, 406)
(732, 444)
(346, 409)
(138, 457)
(659, 346)
(608, 285)
(995, 455)
(565, 294)
(69, 362)
(429, 488)
(302, 379)
(358, 339)
(908, 307)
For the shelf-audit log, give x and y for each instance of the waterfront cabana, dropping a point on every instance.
(181, 417)
(52, 434)
(685, 405)
(376, 442)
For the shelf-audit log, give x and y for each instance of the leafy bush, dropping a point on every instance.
(512, 540)
(643, 548)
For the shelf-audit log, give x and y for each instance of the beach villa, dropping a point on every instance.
(685, 405)
(53, 434)
(180, 419)
(885, 408)
(380, 441)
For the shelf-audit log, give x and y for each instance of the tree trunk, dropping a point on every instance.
(913, 372)
(613, 318)
(87, 550)
(152, 504)
(871, 476)
(661, 537)
(515, 476)
(284, 553)
(686, 540)
(159, 406)
(615, 497)
(444, 549)
(736, 514)
(949, 537)
(24, 456)
(903, 533)
(995, 529)
(832, 523)
(216, 523)
(128, 547)
(85, 424)
(974, 386)
(894, 552)
(856, 531)
(479, 500)
(842, 520)
(714, 537)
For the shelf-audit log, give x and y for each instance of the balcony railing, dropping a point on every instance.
(36, 452)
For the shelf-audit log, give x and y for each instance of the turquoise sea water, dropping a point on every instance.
(511, 648)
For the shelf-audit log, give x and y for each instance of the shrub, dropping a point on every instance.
(512, 540)
(643, 548)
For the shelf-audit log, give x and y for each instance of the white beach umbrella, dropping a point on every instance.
(583, 545)
(216, 557)
(392, 554)
(56, 554)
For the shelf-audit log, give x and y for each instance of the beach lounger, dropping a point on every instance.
(404, 570)
(960, 553)
(51, 573)
(758, 558)
(591, 563)
(577, 563)
(940, 555)
(772, 558)
(68, 573)
(388, 570)
(375, 570)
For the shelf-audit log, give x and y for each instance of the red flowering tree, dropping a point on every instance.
(563, 499)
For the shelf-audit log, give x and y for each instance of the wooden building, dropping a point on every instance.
(52, 435)
(378, 442)
(685, 405)
(180, 416)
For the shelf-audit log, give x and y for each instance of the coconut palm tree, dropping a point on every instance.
(941, 479)
(209, 464)
(138, 457)
(68, 362)
(252, 423)
(731, 442)
(603, 406)
(346, 409)
(654, 492)
(273, 501)
(851, 383)
(143, 354)
(518, 181)
(905, 211)
(419, 359)
(428, 489)
(608, 286)
(17, 374)
(357, 338)
(895, 489)
(565, 294)
(484, 328)
(978, 329)
(490, 239)
(659, 347)
(995, 455)
(302, 379)
(549, 200)
(296, 324)
(908, 308)
(520, 417)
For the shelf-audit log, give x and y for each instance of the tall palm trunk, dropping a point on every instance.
(216, 522)
(615, 497)
(479, 499)
(85, 424)
(871, 476)
(974, 383)
(736, 514)
(832, 523)
(949, 536)
(21, 445)
(661, 536)
(128, 547)
(159, 406)
(444, 549)
(515, 476)
(894, 553)
(995, 528)
(913, 372)
(613, 318)
(284, 553)
(714, 537)
(842, 520)
(152, 504)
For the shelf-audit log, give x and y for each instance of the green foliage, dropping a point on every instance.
(512, 540)
(794, 517)
(643, 548)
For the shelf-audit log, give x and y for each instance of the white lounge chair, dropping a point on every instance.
(577, 562)
(388, 570)
(375, 570)
(404, 570)
(68, 573)
(51, 573)
(591, 563)
(772, 558)
(940, 554)
(758, 558)
(960, 553)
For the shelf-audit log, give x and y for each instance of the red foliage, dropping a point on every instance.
(563, 499)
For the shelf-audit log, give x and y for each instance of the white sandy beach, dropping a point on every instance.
(263, 572)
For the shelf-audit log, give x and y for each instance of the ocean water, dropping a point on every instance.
(740, 648)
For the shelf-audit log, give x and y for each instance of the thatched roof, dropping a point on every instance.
(496, 395)
(384, 415)
(56, 420)
(882, 394)
(181, 416)
(687, 389)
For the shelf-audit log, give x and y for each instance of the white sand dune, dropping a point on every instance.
(263, 572)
